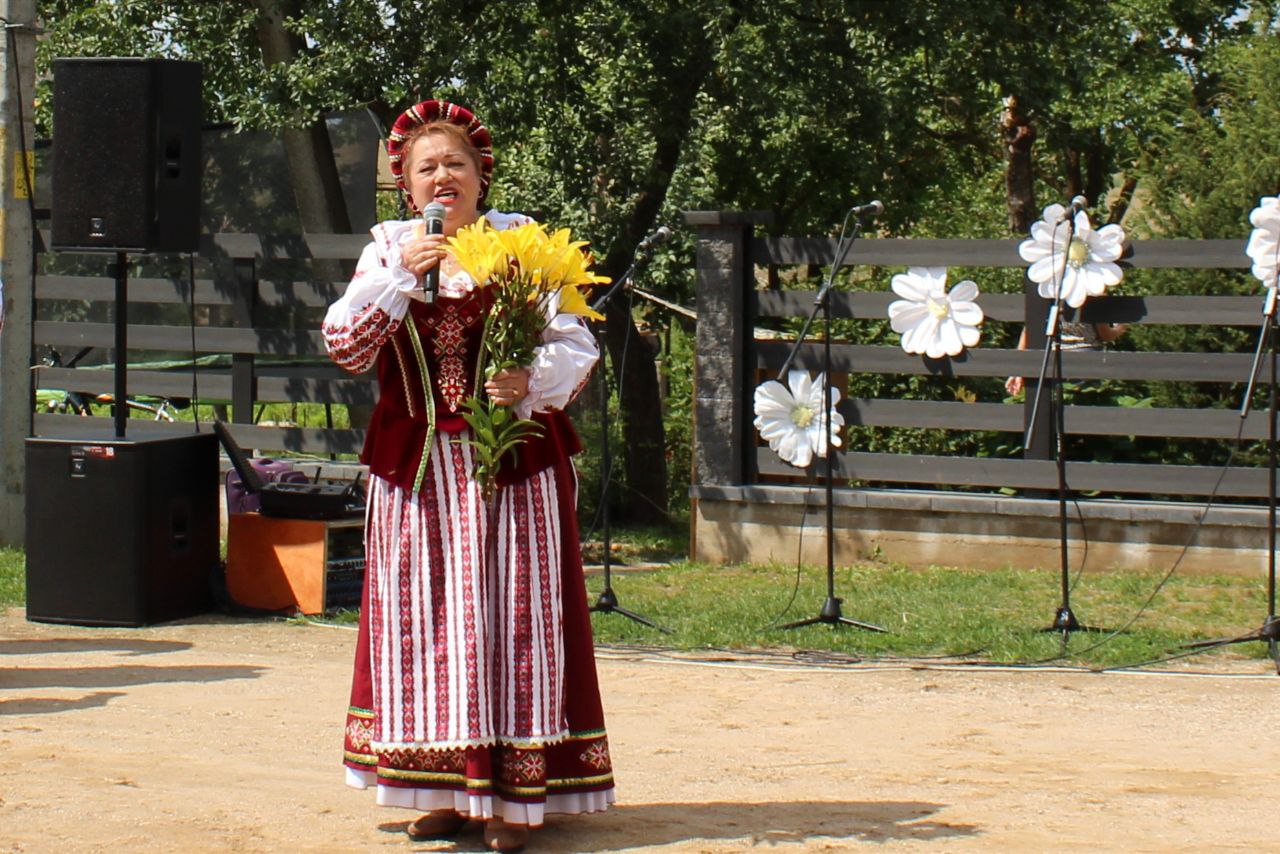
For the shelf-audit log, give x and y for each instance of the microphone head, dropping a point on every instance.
(875, 207)
(661, 235)
(1079, 203)
(433, 211)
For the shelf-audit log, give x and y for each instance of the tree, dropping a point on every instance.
(612, 116)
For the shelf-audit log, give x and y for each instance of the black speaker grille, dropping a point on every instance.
(126, 154)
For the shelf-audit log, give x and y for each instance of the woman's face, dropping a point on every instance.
(441, 170)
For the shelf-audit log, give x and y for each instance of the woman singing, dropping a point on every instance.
(474, 694)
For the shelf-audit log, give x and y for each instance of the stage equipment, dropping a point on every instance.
(120, 533)
(293, 499)
(1064, 619)
(830, 613)
(607, 602)
(1268, 341)
(126, 154)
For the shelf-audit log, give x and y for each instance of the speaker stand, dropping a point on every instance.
(121, 315)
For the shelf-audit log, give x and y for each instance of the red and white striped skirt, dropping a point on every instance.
(475, 684)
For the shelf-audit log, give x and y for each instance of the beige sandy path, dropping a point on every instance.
(224, 736)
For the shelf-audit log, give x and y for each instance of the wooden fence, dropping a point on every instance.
(259, 300)
(731, 303)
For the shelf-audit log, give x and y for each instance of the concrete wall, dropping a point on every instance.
(922, 528)
(17, 63)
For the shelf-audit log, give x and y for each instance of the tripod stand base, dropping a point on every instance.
(607, 603)
(830, 614)
(1065, 622)
(1269, 633)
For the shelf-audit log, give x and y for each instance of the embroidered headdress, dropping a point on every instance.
(440, 111)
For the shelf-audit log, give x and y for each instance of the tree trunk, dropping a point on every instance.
(1121, 204)
(308, 150)
(1019, 179)
(641, 402)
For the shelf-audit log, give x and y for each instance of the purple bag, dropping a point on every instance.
(239, 500)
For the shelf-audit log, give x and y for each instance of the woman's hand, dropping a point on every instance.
(1013, 385)
(509, 387)
(422, 251)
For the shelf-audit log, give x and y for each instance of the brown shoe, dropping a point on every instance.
(435, 825)
(500, 836)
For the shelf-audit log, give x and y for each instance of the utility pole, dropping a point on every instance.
(17, 196)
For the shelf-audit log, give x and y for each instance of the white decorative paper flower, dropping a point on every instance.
(1264, 242)
(792, 420)
(1086, 267)
(933, 322)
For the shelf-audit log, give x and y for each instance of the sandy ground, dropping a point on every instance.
(224, 735)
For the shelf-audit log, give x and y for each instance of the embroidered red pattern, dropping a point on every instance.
(597, 755)
(449, 345)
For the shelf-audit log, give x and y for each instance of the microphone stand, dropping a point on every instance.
(1267, 339)
(830, 613)
(607, 603)
(1064, 619)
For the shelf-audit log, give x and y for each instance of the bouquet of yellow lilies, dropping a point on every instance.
(530, 273)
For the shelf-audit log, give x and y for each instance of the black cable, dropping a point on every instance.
(607, 475)
(1171, 657)
(795, 587)
(1186, 547)
(1084, 541)
(843, 244)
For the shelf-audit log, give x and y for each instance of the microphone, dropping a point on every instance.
(658, 237)
(872, 209)
(433, 216)
(1078, 204)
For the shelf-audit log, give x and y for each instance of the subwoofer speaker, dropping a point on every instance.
(121, 532)
(126, 154)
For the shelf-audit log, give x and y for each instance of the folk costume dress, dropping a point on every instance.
(475, 685)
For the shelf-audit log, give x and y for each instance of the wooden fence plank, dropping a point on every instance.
(1126, 478)
(962, 252)
(1080, 420)
(862, 358)
(300, 440)
(141, 290)
(1175, 310)
(215, 385)
(209, 339)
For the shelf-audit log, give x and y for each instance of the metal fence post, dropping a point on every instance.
(244, 381)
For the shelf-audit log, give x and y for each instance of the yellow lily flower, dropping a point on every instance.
(573, 302)
(478, 252)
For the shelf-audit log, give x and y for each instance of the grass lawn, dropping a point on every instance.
(13, 579)
(992, 615)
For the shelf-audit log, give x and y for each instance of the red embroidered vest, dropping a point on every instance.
(449, 332)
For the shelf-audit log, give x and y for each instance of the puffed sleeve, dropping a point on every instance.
(561, 365)
(361, 321)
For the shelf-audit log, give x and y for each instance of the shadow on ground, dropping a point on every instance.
(128, 646)
(115, 676)
(642, 825)
(53, 705)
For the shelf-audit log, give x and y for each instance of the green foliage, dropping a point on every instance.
(610, 116)
(497, 430)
